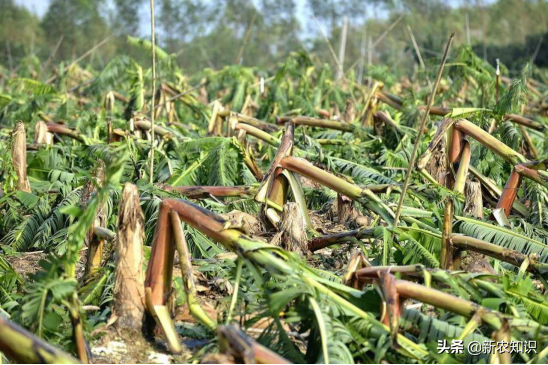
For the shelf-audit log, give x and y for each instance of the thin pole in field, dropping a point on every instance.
(420, 131)
(152, 137)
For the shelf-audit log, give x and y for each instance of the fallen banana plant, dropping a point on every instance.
(21, 346)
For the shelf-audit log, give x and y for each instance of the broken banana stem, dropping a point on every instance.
(244, 349)
(508, 196)
(318, 243)
(446, 253)
(512, 257)
(274, 184)
(66, 131)
(264, 126)
(21, 346)
(389, 99)
(158, 130)
(354, 192)
(496, 191)
(489, 141)
(200, 192)
(386, 119)
(262, 254)
(186, 271)
(460, 179)
(445, 126)
(526, 122)
(258, 133)
(468, 309)
(321, 123)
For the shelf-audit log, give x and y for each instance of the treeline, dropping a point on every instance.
(260, 33)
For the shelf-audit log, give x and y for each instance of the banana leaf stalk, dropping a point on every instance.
(201, 192)
(317, 122)
(489, 141)
(456, 144)
(392, 303)
(437, 110)
(159, 130)
(531, 174)
(500, 253)
(318, 243)
(374, 272)
(386, 119)
(258, 133)
(159, 278)
(510, 192)
(523, 121)
(390, 99)
(439, 299)
(66, 131)
(354, 192)
(259, 124)
(244, 349)
(186, 271)
(531, 146)
(21, 346)
(247, 155)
